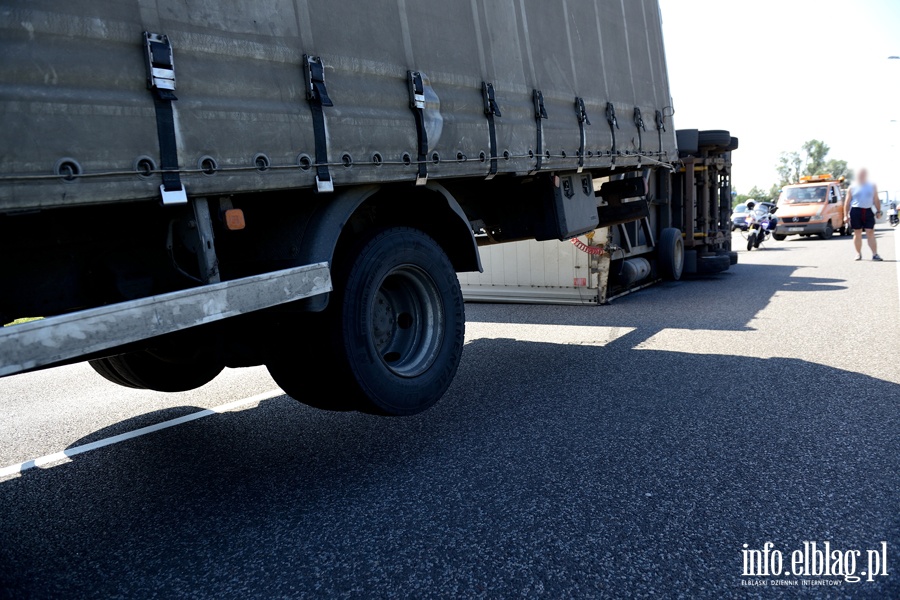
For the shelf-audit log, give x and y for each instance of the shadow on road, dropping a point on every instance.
(547, 469)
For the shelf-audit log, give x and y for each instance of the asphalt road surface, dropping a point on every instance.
(621, 451)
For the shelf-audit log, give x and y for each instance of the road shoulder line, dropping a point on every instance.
(128, 435)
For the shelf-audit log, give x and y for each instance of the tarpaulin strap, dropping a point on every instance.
(317, 95)
(639, 123)
(417, 104)
(660, 127)
(540, 113)
(613, 125)
(582, 121)
(491, 110)
(160, 64)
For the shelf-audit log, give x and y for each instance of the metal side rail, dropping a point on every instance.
(38, 343)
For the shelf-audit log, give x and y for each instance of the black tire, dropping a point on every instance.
(732, 256)
(714, 138)
(103, 367)
(393, 332)
(829, 231)
(710, 264)
(779, 237)
(690, 262)
(147, 371)
(760, 238)
(670, 260)
(751, 241)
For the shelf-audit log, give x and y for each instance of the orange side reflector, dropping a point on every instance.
(234, 219)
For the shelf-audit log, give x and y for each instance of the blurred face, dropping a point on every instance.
(863, 176)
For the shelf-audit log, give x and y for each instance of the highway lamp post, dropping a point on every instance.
(893, 121)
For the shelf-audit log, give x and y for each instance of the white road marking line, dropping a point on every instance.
(70, 452)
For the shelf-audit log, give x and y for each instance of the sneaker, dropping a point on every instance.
(858, 257)
(877, 258)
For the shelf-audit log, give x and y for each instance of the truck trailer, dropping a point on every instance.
(691, 202)
(191, 185)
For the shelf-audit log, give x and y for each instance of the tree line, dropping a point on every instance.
(811, 159)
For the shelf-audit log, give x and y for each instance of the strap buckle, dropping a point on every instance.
(639, 119)
(491, 110)
(611, 115)
(416, 91)
(417, 104)
(581, 111)
(490, 100)
(314, 69)
(540, 113)
(538, 98)
(160, 62)
(583, 120)
(660, 121)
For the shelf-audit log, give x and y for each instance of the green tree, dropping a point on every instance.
(816, 151)
(788, 168)
(838, 168)
(812, 159)
(755, 193)
(759, 194)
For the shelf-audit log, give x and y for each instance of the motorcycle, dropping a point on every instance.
(893, 218)
(759, 229)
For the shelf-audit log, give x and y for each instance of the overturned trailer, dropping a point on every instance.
(682, 219)
(163, 154)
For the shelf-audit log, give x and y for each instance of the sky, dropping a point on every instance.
(778, 73)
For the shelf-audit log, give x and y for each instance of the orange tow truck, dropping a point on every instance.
(812, 207)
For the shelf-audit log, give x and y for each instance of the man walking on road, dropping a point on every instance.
(861, 197)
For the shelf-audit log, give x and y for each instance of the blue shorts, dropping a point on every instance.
(862, 218)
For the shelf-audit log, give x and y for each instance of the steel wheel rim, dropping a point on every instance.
(407, 321)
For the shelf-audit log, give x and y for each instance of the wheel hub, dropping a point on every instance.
(407, 321)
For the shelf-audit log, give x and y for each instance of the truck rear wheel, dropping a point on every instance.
(671, 254)
(394, 329)
(144, 370)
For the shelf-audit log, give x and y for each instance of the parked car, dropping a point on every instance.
(739, 217)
